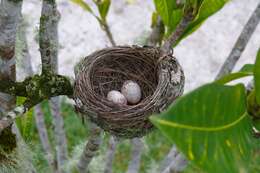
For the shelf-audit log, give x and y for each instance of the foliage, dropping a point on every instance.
(212, 123)
(102, 5)
(172, 13)
(246, 70)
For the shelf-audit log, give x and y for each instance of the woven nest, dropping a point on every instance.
(160, 77)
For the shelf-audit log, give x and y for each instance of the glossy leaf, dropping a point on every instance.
(257, 77)
(211, 127)
(246, 70)
(165, 9)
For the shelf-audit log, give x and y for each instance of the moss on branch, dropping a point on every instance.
(39, 87)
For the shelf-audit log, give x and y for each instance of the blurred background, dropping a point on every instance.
(201, 56)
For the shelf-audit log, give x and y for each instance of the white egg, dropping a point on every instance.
(116, 97)
(132, 91)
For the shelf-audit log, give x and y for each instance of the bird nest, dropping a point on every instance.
(160, 77)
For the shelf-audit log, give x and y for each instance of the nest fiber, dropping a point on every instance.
(160, 77)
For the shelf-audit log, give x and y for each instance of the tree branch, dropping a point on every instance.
(39, 87)
(59, 132)
(49, 54)
(137, 147)
(172, 40)
(90, 149)
(110, 154)
(48, 36)
(42, 131)
(10, 116)
(174, 162)
(241, 43)
(10, 13)
(38, 114)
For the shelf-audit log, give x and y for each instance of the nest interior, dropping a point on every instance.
(107, 70)
(110, 72)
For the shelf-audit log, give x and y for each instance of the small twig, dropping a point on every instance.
(110, 154)
(10, 116)
(137, 147)
(90, 149)
(174, 37)
(107, 30)
(174, 162)
(241, 43)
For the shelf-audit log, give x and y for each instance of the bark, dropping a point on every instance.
(90, 149)
(241, 43)
(110, 155)
(10, 13)
(48, 36)
(137, 147)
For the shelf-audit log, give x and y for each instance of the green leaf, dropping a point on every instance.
(165, 9)
(175, 20)
(246, 70)
(257, 77)
(211, 127)
(154, 19)
(83, 5)
(207, 9)
(103, 7)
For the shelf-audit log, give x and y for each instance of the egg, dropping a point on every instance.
(132, 91)
(116, 97)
